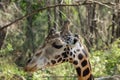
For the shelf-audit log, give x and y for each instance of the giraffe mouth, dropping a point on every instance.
(30, 69)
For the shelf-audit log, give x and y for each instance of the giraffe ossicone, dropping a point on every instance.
(60, 47)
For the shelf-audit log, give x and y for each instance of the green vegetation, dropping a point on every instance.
(97, 23)
(104, 63)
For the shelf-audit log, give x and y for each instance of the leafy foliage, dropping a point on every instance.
(17, 46)
(106, 62)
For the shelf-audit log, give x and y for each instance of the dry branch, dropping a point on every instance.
(57, 5)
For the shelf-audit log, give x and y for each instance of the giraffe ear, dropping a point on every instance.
(53, 33)
(65, 29)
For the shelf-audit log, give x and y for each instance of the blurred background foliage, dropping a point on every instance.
(97, 22)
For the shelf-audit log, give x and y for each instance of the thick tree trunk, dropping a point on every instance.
(2, 32)
(116, 21)
(91, 30)
(118, 18)
(29, 32)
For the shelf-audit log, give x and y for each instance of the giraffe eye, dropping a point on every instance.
(57, 46)
(29, 60)
(75, 40)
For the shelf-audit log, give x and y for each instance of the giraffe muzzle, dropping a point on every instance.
(30, 69)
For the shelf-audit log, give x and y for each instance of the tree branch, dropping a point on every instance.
(57, 5)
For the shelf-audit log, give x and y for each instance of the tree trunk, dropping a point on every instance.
(49, 15)
(113, 27)
(80, 19)
(55, 14)
(29, 32)
(91, 23)
(118, 18)
(2, 32)
(60, 14)
(2, 37)
(116, 21)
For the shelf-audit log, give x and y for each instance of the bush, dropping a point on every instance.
(106, 62)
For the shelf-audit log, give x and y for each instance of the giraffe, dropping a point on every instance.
(60, 47)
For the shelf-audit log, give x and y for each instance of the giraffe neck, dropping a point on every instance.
(83, 70)
(79, 57)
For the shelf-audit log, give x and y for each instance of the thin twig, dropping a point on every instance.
(53, 6)
(104, 4)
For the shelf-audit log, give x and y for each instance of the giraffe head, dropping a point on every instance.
(53, 50)
(48, 53)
